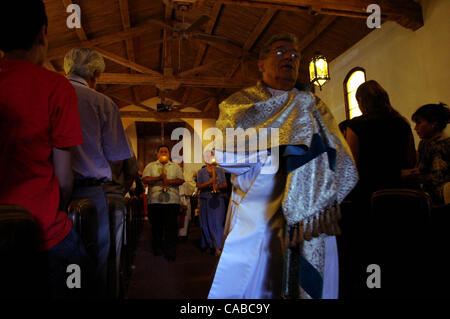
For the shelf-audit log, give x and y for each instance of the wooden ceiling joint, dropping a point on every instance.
(407, 13)
(129, 44)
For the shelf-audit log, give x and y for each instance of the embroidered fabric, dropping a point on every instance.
(314, 251)
(298, 116)
(313, 187)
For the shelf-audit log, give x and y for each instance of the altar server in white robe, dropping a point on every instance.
(186, 190)
(282, 218)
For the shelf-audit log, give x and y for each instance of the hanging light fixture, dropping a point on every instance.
(318, 70)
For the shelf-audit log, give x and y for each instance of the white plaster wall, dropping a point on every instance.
(412, 66)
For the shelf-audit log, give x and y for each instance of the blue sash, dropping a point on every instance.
(309, 278)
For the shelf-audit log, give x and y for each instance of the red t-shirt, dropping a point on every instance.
(38, 111)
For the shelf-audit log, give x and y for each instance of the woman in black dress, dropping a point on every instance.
(382, 144)
(381, 141)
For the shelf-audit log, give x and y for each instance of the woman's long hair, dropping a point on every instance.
(374, 100)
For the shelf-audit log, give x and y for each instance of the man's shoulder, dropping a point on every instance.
(94, 96)
(46, 79)
(174, 165)
(55, 77)
(49, 76)
(107, 100)
(148, 167)
(153, 163)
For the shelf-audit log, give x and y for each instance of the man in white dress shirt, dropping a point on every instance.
(104, 142)
(300, 199)
(164, 178)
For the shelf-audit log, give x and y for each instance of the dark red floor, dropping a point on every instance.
(189, 276)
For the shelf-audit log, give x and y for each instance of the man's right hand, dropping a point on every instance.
(164, 179)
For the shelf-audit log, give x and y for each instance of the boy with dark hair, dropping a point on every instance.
(27, 26)
(39, 123)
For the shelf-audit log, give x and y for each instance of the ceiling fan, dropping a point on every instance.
(169, 106)
(165, 105)
(183, 31)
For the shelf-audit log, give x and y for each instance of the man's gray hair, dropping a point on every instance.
(83, 62)
(288, 37)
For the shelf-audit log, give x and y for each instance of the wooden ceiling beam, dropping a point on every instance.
(254, 36)
(214, 15)
(129, 44)
(145, 107)
(166, 58)
(314, 33)
(249, 43)
(103, 41)
(80, 31)
(129, 64)
(115, 88)
(407, 13)
(204, 67)
(199, 101)
(149, 109)
(171, 82)
(206, 91)
(259, 29)
(186, 95)
(211, 106)
(265, 5)
(192, 104)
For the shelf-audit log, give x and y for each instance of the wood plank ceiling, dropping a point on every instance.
(198, 73)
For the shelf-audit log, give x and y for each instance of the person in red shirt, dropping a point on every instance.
(39, 122)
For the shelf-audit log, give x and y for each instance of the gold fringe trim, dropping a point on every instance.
(325, 222)
(301, 236)
(315, 232)
(322, 227)
(287, 242)
(308, 231)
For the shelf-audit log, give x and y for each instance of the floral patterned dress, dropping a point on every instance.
(434, 166)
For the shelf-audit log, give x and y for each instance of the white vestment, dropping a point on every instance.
(251, 263)
(185, 203)
(186, 189)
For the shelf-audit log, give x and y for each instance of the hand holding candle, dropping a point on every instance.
(164, 159)
(215, 186)
(164, 175)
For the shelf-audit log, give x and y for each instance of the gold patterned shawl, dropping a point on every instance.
(313, 190)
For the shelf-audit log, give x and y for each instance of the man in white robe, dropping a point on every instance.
(186, 190)
(300, 199)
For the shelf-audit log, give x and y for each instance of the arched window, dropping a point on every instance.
(352, 81)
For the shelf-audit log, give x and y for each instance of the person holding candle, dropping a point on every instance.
(164, 178)
(212, 183)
